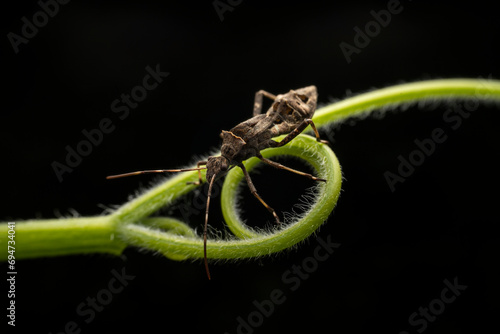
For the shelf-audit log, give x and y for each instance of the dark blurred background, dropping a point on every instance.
(397, 247)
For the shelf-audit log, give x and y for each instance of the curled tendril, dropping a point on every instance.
(131, 224)
(251, 242)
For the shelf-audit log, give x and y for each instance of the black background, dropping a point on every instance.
(397, 247)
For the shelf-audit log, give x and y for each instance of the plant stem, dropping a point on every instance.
(55, 237)
(394, 96)
(131, 225)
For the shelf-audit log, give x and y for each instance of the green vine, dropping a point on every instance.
(131, 224)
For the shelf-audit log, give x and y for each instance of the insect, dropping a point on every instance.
(289, 114)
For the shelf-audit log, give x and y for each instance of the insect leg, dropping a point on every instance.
(280, 166)
(253, 190)
(298, 130)
(316, 133)
(200, 180)
(257, 105)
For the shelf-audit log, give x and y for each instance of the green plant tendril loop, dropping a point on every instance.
(131, 224)
(253, 244)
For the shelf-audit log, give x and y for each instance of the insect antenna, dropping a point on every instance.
(206, 226)
(153, 171)
(205, 229)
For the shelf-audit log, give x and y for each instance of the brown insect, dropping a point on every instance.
(289, 113)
